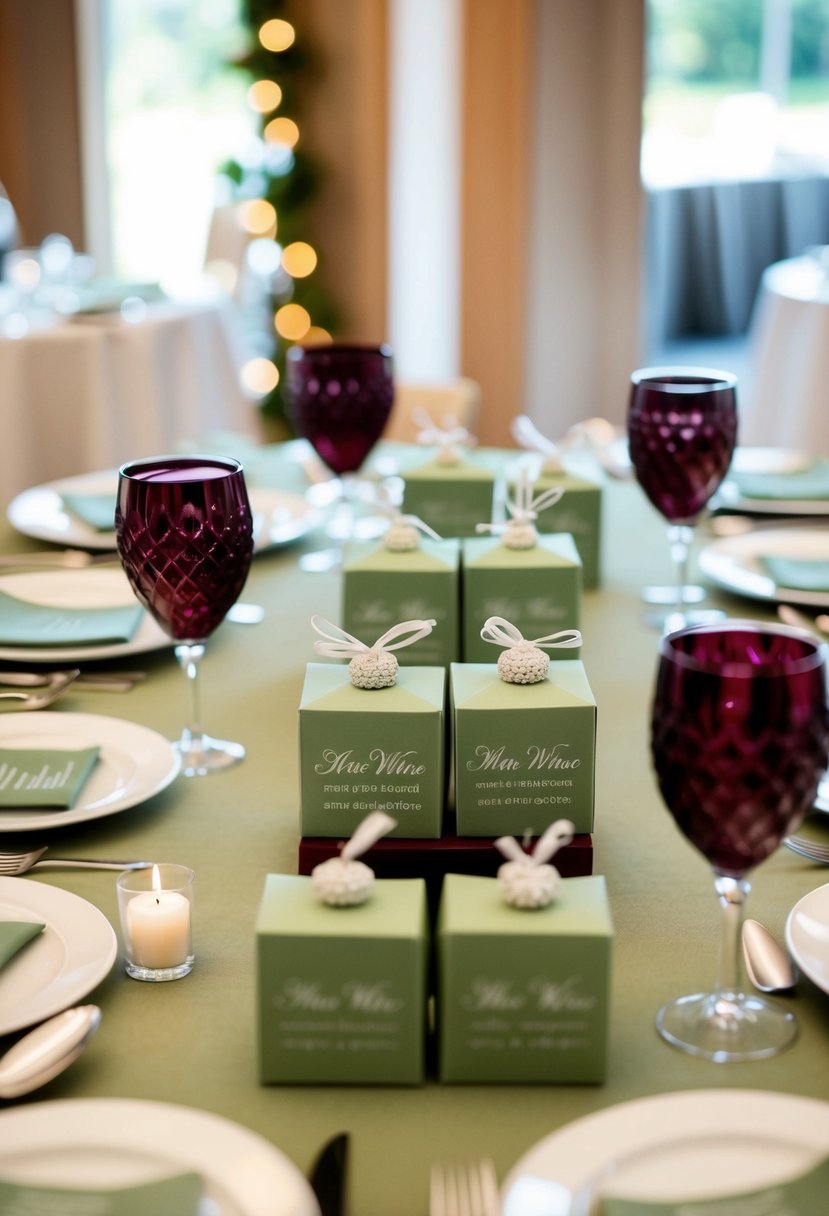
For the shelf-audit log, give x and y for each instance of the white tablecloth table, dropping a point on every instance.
(92, 392)
(787, 390)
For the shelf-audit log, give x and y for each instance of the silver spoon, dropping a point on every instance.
(769, 967)
(45, 1051)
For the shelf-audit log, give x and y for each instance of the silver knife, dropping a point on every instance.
(328, 1176)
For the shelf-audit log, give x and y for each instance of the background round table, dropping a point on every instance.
(92, 392)
(786, 396)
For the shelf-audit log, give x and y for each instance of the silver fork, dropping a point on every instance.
(464, 1189)
(21, 863)
(810, 849)
(97, 681)
(40, 699)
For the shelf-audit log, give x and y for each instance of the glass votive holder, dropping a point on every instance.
(155, 906)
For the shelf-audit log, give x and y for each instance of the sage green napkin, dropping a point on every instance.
(14, 934)
(40, 776)
(805, 1195)
(810, 483)
(97, 510)
(26, 624)
(179, 1195)
(799, 574)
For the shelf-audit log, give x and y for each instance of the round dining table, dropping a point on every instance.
(96, 389)
(785, 397)
(193, 1042)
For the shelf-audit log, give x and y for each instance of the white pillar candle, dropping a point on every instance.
(159, 928)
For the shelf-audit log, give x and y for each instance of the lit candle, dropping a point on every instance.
(159, 926)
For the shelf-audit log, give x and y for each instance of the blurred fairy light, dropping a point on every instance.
(260, 376)
(258, 217)
(299, 259)
(264, 257)
(282, 131)
(264, 96)
(292, 322)
(317, 336)
(277, 35)
(224, 272)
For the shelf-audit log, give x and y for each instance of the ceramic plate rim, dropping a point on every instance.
(148, 636)
(59, 910)
(91, 729)
(201, 1139)
(570, 1156)
(760, 460)
(723, 562)
(47, 500)
(820, 895)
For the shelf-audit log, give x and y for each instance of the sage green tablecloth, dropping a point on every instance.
(193, 1041)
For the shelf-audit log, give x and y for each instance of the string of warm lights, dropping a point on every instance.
(266, 210)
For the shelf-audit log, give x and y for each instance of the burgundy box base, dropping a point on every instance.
(431, 859)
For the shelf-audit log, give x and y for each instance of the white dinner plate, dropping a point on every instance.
(111, 1142)
(734, 562)
(675, 1147)
(279, 518)
(807, 936)
(67, 960)
(99, 587)
(772, 461)
(134, 763)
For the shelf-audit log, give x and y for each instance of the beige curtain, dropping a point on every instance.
(585, 242)
(40, 165)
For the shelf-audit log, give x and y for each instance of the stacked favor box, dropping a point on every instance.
(399, 747)
(459, 755)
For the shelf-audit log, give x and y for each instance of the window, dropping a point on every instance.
(175, 110)
(735, 89)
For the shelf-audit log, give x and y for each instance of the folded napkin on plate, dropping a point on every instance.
(44, 776)
(799, 574)
(804, 1195)
(181, 1194)
(107, 295)
(25, 624)
(97, 510)
(811, 483)
(14, 934)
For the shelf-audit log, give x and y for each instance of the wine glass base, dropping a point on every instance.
(321, 561)
(726, 1028)
(203, 755)
(669, 622)
(692, 593)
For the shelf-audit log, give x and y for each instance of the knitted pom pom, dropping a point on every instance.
(520, 535)
(527, 885)
(401, 537)
(342, 883)
(524, 663)
(373, 669)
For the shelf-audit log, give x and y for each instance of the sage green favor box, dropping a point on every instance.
(382, 586)
(341, 992)
(363, 748)
(452, 498)
(538, 588)
(579, 512)
(523, 995)
(522, 752)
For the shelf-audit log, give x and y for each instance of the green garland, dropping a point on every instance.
(290, 182)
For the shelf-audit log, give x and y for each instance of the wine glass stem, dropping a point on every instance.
(680, 537)
(732, 894)
(189, 655)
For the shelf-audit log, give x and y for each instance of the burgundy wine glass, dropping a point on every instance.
(682, 430)
(740, 740)
(339, 397)
(185, 537)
